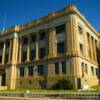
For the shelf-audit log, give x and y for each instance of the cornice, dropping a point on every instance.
(71, 9)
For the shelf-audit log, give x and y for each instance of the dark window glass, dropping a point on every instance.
(33, 38)
(64, 67)
(92, 70)
(86, 69)
(80, 29)
(6, 58)
(96, 69)
(33, 54)
(30, 82)
(82, 65)
(25, 40)
(60, 29)
(21, 72)
(56, 68)
(81, 48)
(0, 59)
(41, 70)
(24, 56)
(8, 43)
(42, 35)
(42, 52)
(30, 71)
(60, 47)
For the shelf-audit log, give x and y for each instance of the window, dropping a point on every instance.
(25, 40)
(30, 82)
(56, 68)
(7, 43)
(21, 82)
(42, 35)
(86, 69)
(41, 70)
(24, 56)
(81, 48)
(42, 52)
(30, 71)
(80, 30)
(60, 29)
(63, 67)
(82, 65)
(33, 54)
(60, 47)
(96, 69)
(21, 72)
(92, 70)
(33, 38)
(6, 58)
(0, 59)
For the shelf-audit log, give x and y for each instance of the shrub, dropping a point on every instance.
(62, 85)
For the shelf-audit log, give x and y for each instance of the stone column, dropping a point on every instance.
(85, 43)
(20, 50)
(10, 50)
(0, 79)
(28, 49)
(37, 46)
(52, 42)
(91, 48)
(4, 48)
(94, 46)
(35, 71)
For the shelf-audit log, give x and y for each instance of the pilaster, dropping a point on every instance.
(52, 42)
(28, 49)
(3, 57)
(74, 36)
(37, 46)
(14, 62)
(10, 50)
(20, 50)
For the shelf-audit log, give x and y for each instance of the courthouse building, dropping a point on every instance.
(61, 45)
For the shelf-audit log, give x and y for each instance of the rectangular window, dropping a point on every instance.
(41, 70)
(92, 70)
(0, 59)
(42, 52)
(56, 68)
(60, 47)
(96, 69)
(8, 43)
(63, 67)
(60, 29)
(6, 58)
(83, 69)
(24, 56)
(86, 69)
(21, 72)
(42, 35)
(30, 71)
(81, 48)
(25, 40)
(33, 38)
(33, 54)
(80, 30)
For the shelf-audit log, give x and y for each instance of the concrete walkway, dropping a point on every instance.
(25, 98)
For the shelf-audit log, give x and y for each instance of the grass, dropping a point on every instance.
(96, 89)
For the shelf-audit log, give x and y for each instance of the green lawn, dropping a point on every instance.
(41, 91)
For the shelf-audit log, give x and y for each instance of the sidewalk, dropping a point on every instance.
(25, 98)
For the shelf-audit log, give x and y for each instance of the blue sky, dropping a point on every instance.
(19, 12)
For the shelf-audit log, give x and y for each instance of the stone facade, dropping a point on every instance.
(61, 45)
